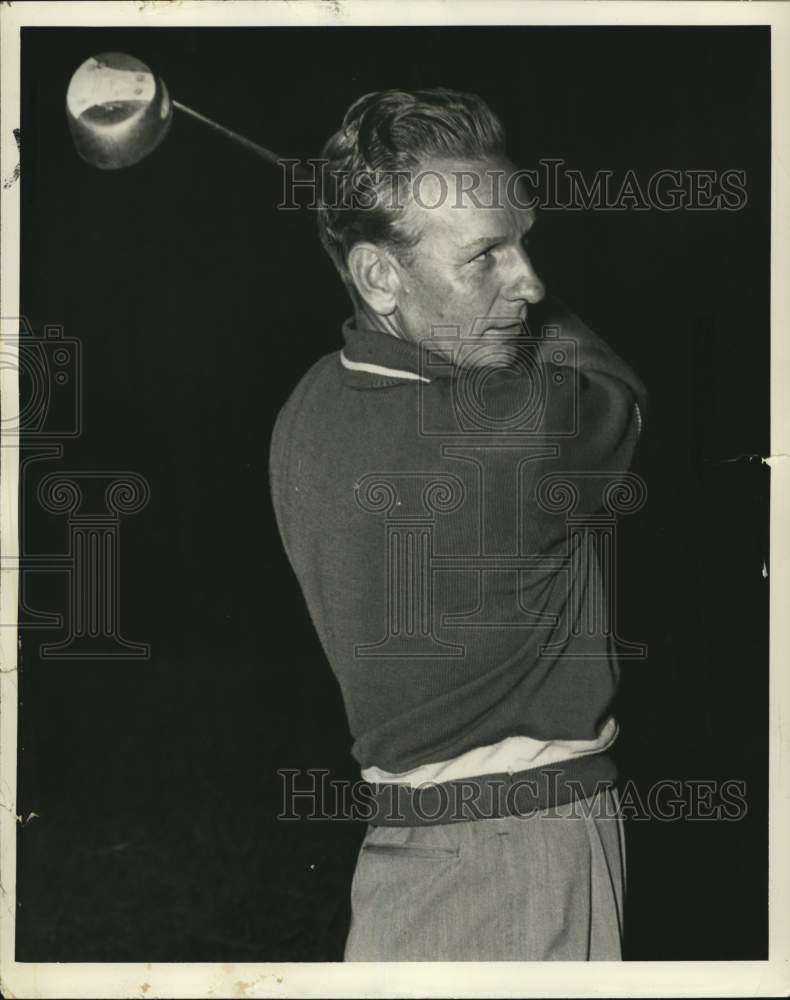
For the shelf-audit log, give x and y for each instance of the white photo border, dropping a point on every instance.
(424, 979)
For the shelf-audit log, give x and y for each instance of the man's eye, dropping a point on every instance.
(482, 257)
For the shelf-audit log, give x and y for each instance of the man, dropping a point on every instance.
(419, 478)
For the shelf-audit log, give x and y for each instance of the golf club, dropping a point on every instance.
(118, 112)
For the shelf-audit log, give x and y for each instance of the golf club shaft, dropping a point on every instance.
(261, 151)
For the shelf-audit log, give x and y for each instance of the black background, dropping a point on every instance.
(199, 305)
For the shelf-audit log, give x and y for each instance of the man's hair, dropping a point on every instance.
(384, 135)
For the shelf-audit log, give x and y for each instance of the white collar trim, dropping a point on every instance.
(363, 366)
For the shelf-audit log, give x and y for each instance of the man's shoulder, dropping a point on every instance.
(316, 377)
(326, 366)
(314, 382)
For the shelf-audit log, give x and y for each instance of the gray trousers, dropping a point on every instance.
(546, 887)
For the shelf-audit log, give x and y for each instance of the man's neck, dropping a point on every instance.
(366, 319)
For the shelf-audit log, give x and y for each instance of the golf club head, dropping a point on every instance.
(118, 111)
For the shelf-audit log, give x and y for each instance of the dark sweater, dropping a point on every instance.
(373, 544)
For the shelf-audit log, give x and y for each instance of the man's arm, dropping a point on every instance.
(593, 354)
(608, 399)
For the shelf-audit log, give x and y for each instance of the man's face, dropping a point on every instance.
(470, 268)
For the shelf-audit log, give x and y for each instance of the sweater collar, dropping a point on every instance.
(373, 358)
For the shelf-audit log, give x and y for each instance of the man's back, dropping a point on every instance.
(387, 501)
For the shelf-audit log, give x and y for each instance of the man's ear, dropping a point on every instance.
(374, 276)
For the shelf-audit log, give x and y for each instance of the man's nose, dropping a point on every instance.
(525, 283)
